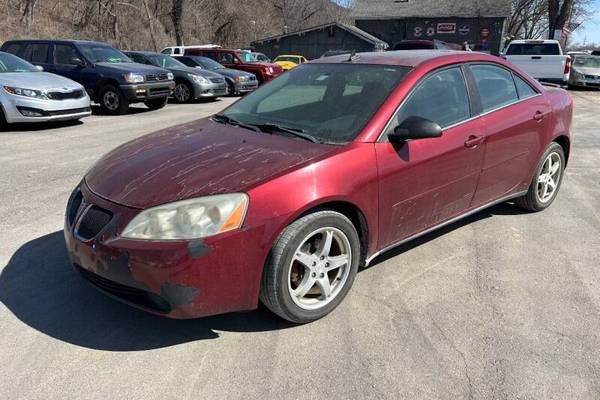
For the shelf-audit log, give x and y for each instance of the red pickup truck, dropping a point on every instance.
(240, 60)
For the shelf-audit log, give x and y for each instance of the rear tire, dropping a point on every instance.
(156, 104)
(304, 291)
(112, 101)
(546, 180)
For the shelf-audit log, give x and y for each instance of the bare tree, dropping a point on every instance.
(176, 16)
(28, 13)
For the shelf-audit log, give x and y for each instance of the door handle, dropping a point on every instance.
(474, 141)
(536, 57)
(538, 116)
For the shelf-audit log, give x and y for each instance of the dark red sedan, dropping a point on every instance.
(286, 193)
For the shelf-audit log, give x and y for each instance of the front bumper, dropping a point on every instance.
(208, 90)
(177, 279)
(14, 108)
(147, 91)
(586, 82)
(245, 86)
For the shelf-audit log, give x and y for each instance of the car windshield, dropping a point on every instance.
(329, 102)
(165, 61)
(247, 57)
(209, 64)
(587, 61)
(10, 63)
(97, 53)
(288, 58)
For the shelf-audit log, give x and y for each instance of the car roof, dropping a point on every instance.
(146, 53)
(540, 41)
(286, 55)
(50, 41)
(409, 58)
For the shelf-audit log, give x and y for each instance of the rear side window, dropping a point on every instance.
(37, 53)
(226, 58)
(533, 49)
(210, 54)
(496, 86)
(64, 54)
(523, 88)
(441, 97)
(13, 48)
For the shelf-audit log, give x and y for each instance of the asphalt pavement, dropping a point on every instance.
(502, 305)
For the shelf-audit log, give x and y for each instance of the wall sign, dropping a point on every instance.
(418, 31)
(464, 30)
(446, 27)
(430, 31)
(485, 33)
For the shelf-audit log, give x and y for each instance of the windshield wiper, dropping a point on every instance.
(292, 131)
(224, 119)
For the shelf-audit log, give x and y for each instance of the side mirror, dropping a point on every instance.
(414, 128)
(39, 68)
(78, 62)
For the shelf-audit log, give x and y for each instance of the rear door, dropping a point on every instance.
(426, 182)
(38, 53)
(515, 117)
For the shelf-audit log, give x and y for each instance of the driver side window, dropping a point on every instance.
(441, 97)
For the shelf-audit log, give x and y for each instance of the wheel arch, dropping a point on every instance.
(350, 211)
(565, 143)
(102, 83)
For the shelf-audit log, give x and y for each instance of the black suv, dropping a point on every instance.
(109, 76)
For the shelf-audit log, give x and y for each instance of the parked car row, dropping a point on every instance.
(45, 80)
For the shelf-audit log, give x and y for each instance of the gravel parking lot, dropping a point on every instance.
(503, 305)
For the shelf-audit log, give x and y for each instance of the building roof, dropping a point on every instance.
(349, 28)
(431, 8)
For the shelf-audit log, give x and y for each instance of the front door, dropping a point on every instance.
(425, 182)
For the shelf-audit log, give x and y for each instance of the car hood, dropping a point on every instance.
(232, 73)
(587, 70)
(286, 64)
(133, 67)
(196, 159)
(38, 80)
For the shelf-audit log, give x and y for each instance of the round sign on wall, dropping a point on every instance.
(430, 31)
(418, 31)
(464, 30)
(485, 33)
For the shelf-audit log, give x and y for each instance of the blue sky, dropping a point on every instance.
(590, 30)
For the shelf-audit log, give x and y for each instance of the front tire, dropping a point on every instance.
(546, 180)
(156, 104)
(112, 101)
(311, 267)
(183, 92)
(3, 123)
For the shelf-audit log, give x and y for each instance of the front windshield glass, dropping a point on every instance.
(330, 102)
(166, 61)
(97, 53)
(247, 57)
(209, 64)
(587, 61)
(10, 63)
(288, 58)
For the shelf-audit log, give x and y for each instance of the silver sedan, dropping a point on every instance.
(29, 95)
(585, 71)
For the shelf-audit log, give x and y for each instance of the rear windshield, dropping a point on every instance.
(10, 63)
(330, 102)
(533, 49)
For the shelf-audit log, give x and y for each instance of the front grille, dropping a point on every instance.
(592, 77)
(252, 78)
(156, 77)
(91, 223)
(160, 91)
(217, 80)
(68, 112)
(75, 94)
(130, 294)
(73, 206)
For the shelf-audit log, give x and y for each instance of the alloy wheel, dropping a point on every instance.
(111, 100)
(182, 93)
(549, 177)
(320, 268)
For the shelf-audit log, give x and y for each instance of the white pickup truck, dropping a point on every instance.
(542, 59)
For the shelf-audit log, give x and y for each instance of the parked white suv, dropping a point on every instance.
(542, 59)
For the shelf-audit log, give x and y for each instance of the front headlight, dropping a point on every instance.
(36, 94)
(189, 219)
(133, 78)
(198, 78)
(170, 76)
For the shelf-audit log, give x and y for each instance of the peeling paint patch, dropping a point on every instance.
(177, 295)
(117, 269)
(197, 248)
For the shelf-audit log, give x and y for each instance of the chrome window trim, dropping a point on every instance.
(380, 138)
